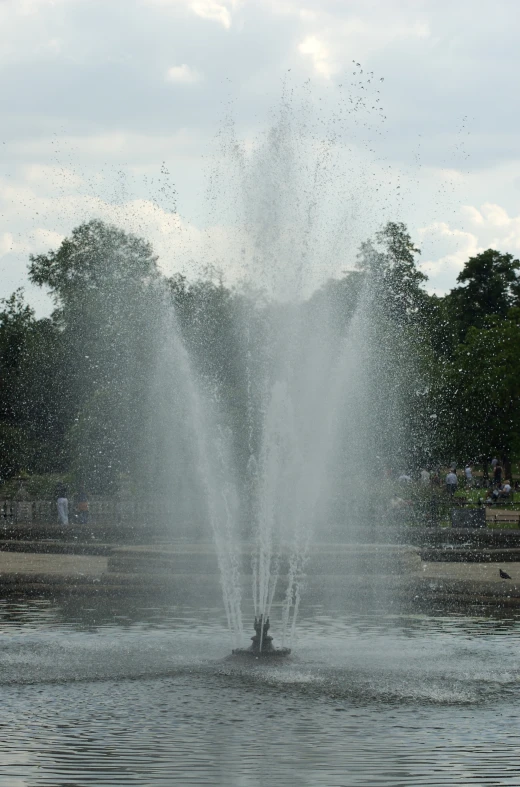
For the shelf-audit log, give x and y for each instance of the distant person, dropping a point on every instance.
(397, 502)
(494, 463)
(82, 507)
(451, 482)
(493, 495)
(62, 504)
(425, 476)
(468, 475)
(497, 475)
(490, 500)
(505, 491)
(436, 478)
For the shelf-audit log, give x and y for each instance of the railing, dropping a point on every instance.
(102, 511)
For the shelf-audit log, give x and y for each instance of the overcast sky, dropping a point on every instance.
(129, 110)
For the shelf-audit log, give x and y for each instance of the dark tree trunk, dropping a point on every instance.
(485, 472)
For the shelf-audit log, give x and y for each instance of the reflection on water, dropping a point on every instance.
(111, 694)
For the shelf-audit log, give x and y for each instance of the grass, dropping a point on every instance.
(472, 496)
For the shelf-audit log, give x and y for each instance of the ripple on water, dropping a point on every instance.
(363, 702)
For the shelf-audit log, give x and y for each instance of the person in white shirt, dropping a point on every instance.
(451, 482)
(469, 475)
(63, 509)
(505, 492)
(425, 476)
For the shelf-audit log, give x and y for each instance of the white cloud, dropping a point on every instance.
(453, 245)
(319, 54)
(492, 227)
(43, 174)
(220, 11)
(495, 227)
(7, 243)
(29, 7)
(210, 9)
(334, 37)
(473, 215)
(50, 215)
(183, 75)
(43, 239)
(59, 153)
(454, 248)
(496, 216)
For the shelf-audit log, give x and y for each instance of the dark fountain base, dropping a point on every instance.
(261, 647)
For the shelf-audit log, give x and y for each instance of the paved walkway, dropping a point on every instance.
(19, 569)
(29, 563)
(474, 572)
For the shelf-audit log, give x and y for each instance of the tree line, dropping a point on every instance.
(74, 387)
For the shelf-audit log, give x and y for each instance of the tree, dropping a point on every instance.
(396, 342)
(108, 291)
(104, 284)
(337, 299)
(394, 277)
(16, 324)
(489, 286)
(98, 257)
(482, 386)
(212, 319)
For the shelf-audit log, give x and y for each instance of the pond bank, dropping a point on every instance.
(443, 573)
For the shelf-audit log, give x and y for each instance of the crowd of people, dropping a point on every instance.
(497, 490)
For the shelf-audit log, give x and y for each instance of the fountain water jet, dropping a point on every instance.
(309, 423)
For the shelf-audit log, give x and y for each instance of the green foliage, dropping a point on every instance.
(483, 382)
(397, 347)
(337, 297)
(31, 402)
(106, 287)
(215, 322)
(489, 286)
(396, 280)
(35, 487)
(74, 388)
(100, 260)
(97, 444)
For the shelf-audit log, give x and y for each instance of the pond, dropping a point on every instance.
(119, 693)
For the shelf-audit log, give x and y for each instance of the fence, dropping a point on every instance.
(102, 511)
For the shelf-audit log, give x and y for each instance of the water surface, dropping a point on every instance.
(114, 694)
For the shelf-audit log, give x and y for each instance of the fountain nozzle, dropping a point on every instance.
(261, 643)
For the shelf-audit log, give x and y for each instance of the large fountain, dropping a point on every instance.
(290, 458)
(276, 462)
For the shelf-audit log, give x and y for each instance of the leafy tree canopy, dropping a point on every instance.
(391, 261)
(482, 386)
(96, 256)
(489, 285)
